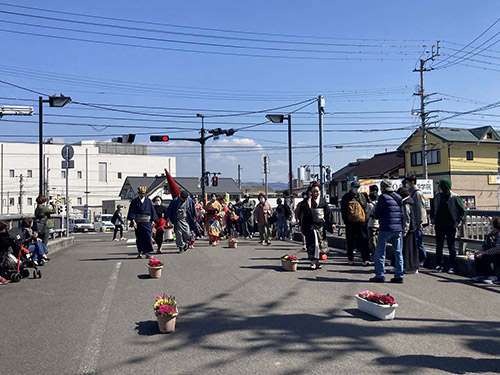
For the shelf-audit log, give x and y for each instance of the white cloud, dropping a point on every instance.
(279, 163)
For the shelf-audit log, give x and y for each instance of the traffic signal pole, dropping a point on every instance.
(203, 166)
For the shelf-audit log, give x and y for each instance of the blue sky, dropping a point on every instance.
(364, 70)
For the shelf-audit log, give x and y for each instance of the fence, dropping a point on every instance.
(15, 222)
(471, 233)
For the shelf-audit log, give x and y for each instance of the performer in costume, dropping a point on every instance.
(213, 217)
(141, 214)
(315, 217)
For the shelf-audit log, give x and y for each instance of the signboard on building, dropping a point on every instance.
(494, 179)
(426, 186)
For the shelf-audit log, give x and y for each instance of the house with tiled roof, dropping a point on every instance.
(384, 165)
(470, 158)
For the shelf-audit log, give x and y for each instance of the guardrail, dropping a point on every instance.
(471, 233)
(15, 222)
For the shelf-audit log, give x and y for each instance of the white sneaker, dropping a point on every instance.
(116, 239)
(123, 239)
(451, 270)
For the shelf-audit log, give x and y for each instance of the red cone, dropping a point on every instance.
(172, 186)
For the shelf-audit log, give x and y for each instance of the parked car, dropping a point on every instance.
(80, 225)
(103, 223)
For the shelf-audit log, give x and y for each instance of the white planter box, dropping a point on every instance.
(384, 312)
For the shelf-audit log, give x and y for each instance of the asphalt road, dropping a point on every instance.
(91, 313)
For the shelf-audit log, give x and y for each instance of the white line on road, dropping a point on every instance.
(88, 365)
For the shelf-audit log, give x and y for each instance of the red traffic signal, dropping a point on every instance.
(215, 181)
(159, 138)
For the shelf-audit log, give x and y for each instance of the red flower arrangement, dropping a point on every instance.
(377, 298)
(289, 258)
(153, 262)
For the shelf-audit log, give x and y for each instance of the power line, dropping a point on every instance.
(149, 22)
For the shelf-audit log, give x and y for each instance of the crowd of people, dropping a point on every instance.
(372, 221)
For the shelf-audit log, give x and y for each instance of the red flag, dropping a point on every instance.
(172, 186)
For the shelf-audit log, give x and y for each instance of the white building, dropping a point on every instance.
(100, 168)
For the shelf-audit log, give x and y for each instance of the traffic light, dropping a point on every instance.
(159, 138)
(126, 138)
(328, 173)
(215, 181)
(60, 209)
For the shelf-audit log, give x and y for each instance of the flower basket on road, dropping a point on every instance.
(380, 306)
(166, 311)
(155, 267)
(233, 243)
(289, 262)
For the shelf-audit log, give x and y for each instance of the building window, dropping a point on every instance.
(120, 175)
(470, 155)
(79, 200)
(79, 174)
(63, 174)
(144, 175)
(11, 201)
(469, 201)
(416, 158)
(489, 135)
(103, 172)
(30, 173)
(11, 173)
(30, 201)
(433, 157)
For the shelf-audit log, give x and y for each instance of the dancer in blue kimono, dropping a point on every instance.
(141, 214)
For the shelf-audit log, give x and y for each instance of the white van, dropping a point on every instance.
(103, 223)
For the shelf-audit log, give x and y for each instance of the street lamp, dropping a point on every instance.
(54, 101)
(278, 119)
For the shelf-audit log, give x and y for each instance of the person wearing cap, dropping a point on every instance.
(141, 215)
(447, 212)
(182, 213)
(247, 207)
(353, 208)
(389, 214)
(118, 222)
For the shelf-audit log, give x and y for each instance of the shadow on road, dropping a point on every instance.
(147, 328)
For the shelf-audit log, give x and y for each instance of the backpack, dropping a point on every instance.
(355, 212)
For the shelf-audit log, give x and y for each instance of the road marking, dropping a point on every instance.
(90, 359)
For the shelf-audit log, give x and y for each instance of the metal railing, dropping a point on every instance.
(473, 230)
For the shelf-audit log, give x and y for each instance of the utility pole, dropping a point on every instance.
(239, 176)
(321, 111)
(21, 192)
(203, 167)
(423, 114)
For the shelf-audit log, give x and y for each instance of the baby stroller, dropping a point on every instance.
(15, 260)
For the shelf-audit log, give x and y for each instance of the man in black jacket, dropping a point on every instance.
(118, 222)
(353, 209)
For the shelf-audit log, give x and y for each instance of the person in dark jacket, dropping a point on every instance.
(117, 220)
(411, 261)
(315, 217)
(160, 223)
(388, 212)
(489, 254)
(356, 231)
(43, 218)
(447, 212)
(141, 214)
(182, 214)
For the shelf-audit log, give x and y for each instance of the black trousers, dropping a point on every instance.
(450, 234)
(483, 264)
(159, 238)
(118, 228)
(356, 237)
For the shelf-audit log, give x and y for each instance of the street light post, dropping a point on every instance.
(202, 142)
(278, 119)
(54, 101)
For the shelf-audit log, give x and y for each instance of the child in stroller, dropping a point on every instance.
(34, 243)
(15, 258)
